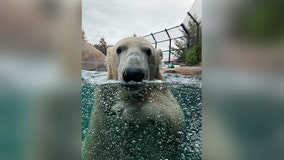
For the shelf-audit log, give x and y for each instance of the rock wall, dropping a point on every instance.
(92, 58)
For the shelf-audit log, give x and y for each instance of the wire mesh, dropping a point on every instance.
(165, 39)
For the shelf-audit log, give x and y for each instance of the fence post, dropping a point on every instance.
(154, 40)
(197, 27)
(187, 37)
(170, 45)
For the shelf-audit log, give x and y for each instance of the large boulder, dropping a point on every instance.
(92, 58)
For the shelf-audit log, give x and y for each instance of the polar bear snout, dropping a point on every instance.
(133, 74)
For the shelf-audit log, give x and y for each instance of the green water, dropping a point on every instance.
(188, 96)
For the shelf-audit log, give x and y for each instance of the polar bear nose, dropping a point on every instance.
(133, 74)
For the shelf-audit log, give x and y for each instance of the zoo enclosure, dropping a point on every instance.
(163, 39)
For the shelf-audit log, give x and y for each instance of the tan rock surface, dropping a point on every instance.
(92, 58)
(191, 71)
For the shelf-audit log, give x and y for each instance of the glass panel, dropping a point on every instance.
(184, 91)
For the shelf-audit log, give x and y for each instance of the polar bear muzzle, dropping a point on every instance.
(133, 74)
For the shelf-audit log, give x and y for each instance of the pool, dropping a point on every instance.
(187, 91)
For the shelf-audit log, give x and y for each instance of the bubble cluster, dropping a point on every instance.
(186, 90)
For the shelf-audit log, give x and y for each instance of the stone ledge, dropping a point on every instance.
(191, 71)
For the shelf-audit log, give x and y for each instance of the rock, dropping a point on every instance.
(92, 58)
(191, 71)
(169, 70)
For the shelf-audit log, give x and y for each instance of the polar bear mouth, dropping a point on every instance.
(133, 86)
(132, 79)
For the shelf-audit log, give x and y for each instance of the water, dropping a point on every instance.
(187, 91)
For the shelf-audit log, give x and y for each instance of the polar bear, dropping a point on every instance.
(134, 119)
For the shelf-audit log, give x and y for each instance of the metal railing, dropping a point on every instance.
(163, 39)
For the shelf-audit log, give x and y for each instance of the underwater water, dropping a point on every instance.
(186, 90)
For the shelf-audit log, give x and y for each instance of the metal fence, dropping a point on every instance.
(164, 39)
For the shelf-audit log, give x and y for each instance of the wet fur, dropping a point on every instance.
(126, 125)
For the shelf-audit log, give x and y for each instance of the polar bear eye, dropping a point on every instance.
(148, 51)
(118, 50)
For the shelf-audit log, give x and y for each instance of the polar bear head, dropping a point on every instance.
(133, 59)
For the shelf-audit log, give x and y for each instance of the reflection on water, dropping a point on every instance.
(187, 91)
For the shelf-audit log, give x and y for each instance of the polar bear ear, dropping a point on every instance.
(158, 59)
(159, 55)
(109, 59)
